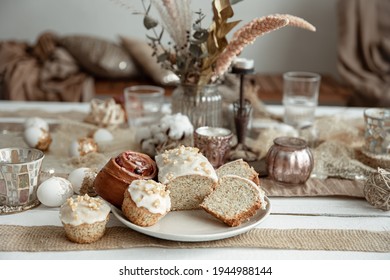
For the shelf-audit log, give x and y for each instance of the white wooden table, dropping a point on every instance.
(287, 213)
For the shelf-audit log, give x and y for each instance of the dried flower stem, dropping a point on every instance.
(176, 23)
(250, 32)
(297, 22)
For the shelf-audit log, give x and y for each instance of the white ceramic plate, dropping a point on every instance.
(194, 225)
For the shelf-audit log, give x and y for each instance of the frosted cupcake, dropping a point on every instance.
(84, 218)
(146, 202)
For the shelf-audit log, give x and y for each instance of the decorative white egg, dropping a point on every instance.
(54, 191)
(82, 146)
(36, 122)
(38, 138)
(102, 136)
(82, 180)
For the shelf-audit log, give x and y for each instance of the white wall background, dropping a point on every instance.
(286, 49)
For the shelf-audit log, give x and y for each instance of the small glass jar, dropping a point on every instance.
(202, 104)
(289, 160)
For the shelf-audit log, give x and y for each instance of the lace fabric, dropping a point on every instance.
(336, 143)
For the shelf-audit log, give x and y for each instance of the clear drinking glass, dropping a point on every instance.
(143, 104)
(300, 98)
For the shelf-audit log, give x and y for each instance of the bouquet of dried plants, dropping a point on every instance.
(200, 55)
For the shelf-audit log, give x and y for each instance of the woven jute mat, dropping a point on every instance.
(52, 238)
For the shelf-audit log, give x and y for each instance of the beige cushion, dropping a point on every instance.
(100, 57)
(141, 53)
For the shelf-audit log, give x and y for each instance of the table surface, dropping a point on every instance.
(287, 213)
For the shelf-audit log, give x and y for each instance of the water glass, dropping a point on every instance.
(143, 104)
(377, 131)
(300, 98)
(19, 172)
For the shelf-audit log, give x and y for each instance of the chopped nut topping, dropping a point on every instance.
(156, 203)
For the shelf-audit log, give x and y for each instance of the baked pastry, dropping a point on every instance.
(240, 168)
(118, 173)
(234, 200)
(188, 175)
(146, 202)
(84, 218)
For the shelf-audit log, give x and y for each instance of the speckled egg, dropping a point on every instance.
(102, 136)
(36, 122)
(82, 146)
(82, 180)
(54, 191)
(38, 138)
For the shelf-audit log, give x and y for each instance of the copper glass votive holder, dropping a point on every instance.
(213, 143)
(19, 172)
(289, 160)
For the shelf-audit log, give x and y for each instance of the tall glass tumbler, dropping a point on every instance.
(143, 104)
(300, 98)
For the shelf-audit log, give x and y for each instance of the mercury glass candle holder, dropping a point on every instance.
(19, 173)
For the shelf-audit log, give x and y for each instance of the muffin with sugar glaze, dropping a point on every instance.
(84, 218)
(146, 202)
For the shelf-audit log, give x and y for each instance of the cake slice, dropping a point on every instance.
(239, 168)
(188, 175)
(234, 200)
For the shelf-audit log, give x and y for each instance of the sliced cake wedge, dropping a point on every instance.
(240, 168)
(234, 200)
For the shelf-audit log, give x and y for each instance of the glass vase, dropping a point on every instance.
(202, 104)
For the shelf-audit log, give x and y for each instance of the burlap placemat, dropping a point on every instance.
(315, 187)
(52, 238)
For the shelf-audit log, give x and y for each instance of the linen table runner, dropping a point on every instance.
(52, 238)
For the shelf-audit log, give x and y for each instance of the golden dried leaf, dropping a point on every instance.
(218, 30)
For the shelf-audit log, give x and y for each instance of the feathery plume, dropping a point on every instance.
(244, 36)
(297, 22)
(200, 55)
(174, 22)
(248, 34)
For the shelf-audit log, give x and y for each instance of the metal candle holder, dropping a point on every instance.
(242, 111)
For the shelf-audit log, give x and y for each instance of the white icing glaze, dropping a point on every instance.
(183, 161)
(84, 209)
(150, 195)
